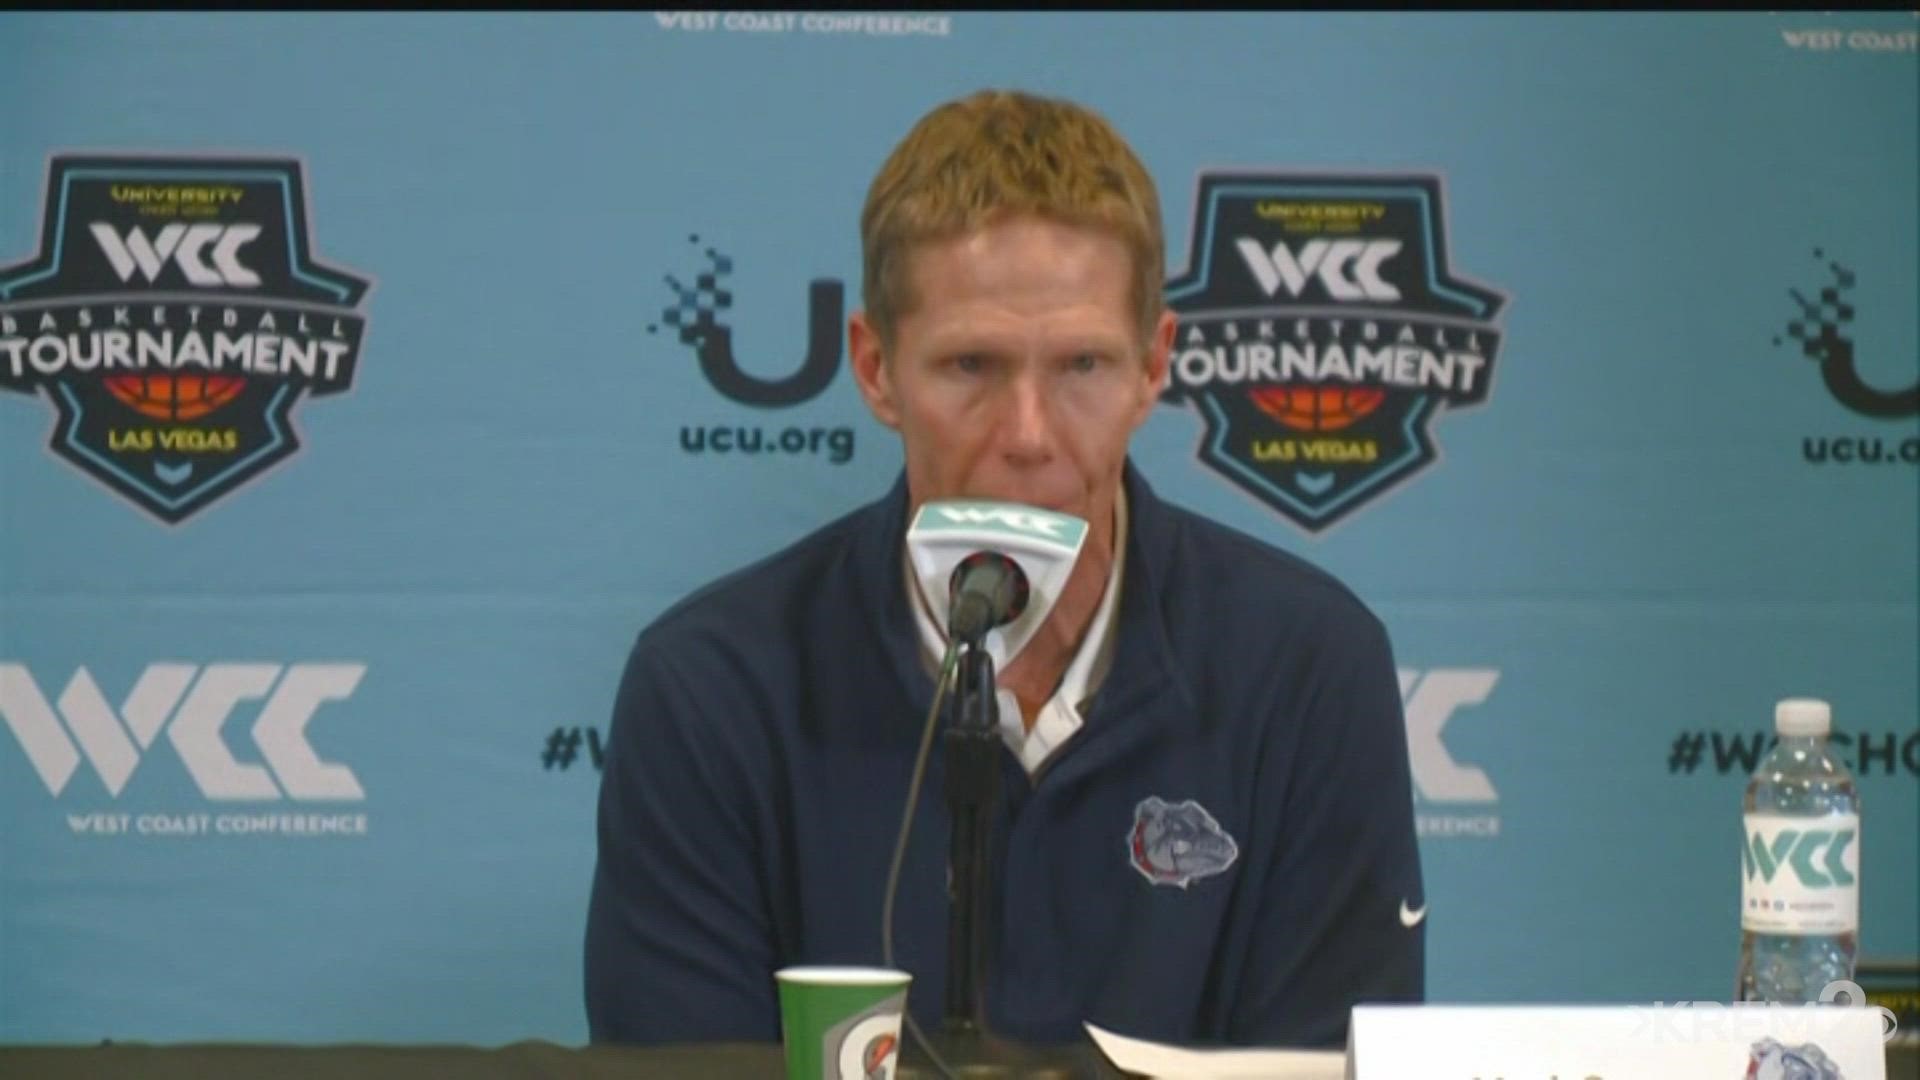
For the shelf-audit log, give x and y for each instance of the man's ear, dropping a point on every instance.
(1157, 361)
(870, 371)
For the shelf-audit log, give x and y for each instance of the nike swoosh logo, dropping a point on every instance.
(1410, 917)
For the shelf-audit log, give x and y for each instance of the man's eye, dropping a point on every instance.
(971, 363)
(1084, 362)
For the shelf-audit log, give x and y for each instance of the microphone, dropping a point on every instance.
(1004, 563)
(991, 571)
(989, 590)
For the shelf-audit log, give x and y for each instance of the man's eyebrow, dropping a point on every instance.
(967, 339)
(976, 339)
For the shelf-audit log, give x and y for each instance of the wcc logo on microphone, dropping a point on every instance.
(173, 319)
(1322, 332)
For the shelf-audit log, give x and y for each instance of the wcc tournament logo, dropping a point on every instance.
(174, 317)
(1321, 331)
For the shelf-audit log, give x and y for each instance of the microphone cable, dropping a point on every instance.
(940, 686)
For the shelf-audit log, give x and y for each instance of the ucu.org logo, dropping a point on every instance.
(702, 316)
(192, 705)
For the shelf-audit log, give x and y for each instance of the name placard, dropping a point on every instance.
(1677, 1041)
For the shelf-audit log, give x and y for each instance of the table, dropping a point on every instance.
(532, 1060)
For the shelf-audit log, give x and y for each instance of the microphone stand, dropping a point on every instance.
(973, 791)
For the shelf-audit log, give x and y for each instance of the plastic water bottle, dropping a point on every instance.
(1800, 864)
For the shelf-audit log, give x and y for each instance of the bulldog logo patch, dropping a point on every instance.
(1773, 1060)
(1178, 843)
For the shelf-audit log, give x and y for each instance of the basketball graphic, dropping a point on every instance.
(1317, 408)
(175, 397)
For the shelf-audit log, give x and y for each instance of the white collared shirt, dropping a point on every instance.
(1059, 718)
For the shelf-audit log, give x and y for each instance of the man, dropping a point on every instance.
(1205, 831)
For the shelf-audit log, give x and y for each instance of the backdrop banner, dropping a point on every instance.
(368, 381)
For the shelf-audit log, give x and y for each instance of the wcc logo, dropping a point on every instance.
(1029, 522)
(1429, 699)
(1816, 856)
(1321, 332)
(191, 705)
(174, 318)
(1455, 799)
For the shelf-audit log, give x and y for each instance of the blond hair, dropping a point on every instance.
(996, 153)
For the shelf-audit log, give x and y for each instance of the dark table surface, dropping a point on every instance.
(530, 1060)
(517, 1061)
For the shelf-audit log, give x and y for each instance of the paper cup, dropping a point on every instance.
(842, 1023)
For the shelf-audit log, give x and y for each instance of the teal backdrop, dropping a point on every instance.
(307, 657)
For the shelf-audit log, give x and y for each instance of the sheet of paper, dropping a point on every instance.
(1681, 1041)
(1177, 1063)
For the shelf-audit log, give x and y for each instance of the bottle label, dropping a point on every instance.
(1801, 875)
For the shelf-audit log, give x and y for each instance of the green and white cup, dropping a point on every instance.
(842, 1023)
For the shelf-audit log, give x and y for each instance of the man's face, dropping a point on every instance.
(1019, 373)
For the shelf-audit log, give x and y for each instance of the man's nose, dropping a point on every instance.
(1028, 425)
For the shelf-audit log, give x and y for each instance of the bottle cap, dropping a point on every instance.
(1802, 716)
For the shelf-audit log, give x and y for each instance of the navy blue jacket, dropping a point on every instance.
(763, 739)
